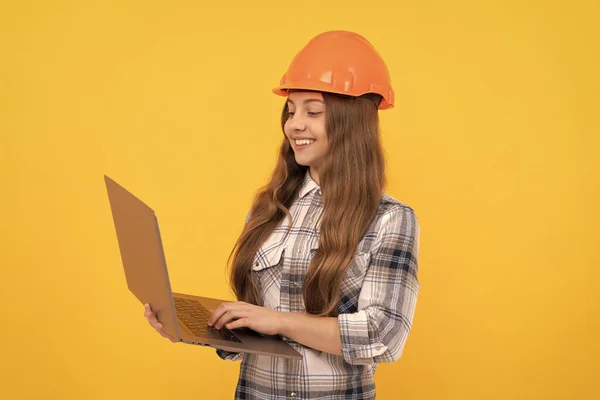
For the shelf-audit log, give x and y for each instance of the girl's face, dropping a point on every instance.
(305, 128)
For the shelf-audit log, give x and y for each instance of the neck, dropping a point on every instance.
(314, 174)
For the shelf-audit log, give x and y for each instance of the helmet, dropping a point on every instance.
(339, 62)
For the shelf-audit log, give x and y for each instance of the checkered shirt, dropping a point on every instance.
(379, 294)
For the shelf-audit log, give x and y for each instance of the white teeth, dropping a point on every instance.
(304, 141)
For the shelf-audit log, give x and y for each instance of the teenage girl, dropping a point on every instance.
(326, 259)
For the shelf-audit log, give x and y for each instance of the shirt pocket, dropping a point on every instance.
(353, 279)
(359, 264)
(268, 267)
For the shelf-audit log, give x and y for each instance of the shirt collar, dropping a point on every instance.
(308, 185)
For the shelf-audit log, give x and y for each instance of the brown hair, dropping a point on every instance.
(352, 180)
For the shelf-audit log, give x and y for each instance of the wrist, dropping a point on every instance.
(286, 320)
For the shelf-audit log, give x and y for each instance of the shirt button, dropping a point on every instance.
(299, 251)
(256, 264)
(293, 394)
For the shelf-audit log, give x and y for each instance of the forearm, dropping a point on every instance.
(319, 333)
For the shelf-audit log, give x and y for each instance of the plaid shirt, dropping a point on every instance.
(379, 294)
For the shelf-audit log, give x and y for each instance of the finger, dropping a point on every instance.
(218, 313)
(160, 329)
(149, 314)
(163, 333)
(235, 307)
(240, 323)
(152, 320)
(224, 318)
(230, 316)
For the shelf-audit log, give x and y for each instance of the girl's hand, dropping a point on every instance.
(243, 315)
(151, 317)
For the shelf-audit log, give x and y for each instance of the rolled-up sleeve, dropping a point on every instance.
(378, 331)
(227, 355)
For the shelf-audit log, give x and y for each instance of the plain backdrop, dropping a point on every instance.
(493, 142)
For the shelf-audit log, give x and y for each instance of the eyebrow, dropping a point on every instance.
(306, 101)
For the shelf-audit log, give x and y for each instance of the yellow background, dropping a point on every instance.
(493, 141)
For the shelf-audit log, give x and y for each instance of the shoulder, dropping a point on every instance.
(393, 214)
(390, 206)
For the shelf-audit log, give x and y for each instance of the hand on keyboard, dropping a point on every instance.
(234, 315)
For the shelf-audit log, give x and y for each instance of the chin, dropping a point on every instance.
(304, 163)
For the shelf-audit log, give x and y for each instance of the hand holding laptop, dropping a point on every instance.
(183, 317)
(153, 321)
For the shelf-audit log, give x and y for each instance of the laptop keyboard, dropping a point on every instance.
(195, 317)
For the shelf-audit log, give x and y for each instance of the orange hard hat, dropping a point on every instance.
(339, 62)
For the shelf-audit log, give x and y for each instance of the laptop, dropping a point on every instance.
(183, 316)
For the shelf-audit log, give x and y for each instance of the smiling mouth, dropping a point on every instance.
(303, 142)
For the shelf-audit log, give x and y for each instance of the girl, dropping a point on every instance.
(326, 259)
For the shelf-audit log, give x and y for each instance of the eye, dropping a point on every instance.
(290, 114)
(314, 113)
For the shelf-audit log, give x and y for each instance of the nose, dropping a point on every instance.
(296, 123)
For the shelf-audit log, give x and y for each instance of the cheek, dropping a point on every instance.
(319, 131)
(323, 139)
(324, 147)
(287, 131)
(322, 131)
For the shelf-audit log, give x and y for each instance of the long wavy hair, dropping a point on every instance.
(352, 180)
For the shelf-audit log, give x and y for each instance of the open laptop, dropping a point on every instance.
(183, 316)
